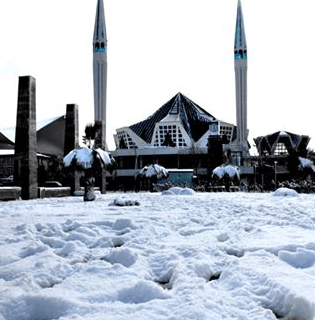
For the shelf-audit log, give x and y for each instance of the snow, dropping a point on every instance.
(229, 170)
(285, 192)
(153, 170)
(203, 256)
(305, 162)
(85, 157)
(104, 156)
(179, 191)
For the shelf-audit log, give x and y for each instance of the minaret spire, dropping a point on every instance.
(240, 38)
(100, 27)
(240, 66)
(100, 70)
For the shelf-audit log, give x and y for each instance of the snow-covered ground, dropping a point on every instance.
(190, 256)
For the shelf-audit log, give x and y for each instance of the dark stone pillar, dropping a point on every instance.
(26, 164)
(72, 128)
(72, 141)
(215, 153)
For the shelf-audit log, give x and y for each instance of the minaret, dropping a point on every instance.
(240, 65)
(100, 69)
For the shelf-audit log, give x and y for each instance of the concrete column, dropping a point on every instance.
(72, 141)
(26, 164)
(72, 128)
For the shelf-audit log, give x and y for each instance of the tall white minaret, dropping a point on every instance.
(240, 65)
(100, 69)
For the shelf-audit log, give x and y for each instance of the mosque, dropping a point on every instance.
(183, 135)
(179, 135)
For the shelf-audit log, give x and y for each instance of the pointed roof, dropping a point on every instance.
(51, 137)
(99, 27)
(240, 39)
(5, 143)
(293, 142)
(194, 119)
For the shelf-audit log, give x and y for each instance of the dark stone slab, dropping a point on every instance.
(10, 193)
(53, 192)
(72, 128)
(25, 167)
(72, 142)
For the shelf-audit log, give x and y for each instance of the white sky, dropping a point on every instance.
(158, 48)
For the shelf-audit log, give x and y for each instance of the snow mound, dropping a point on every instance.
(222, 237)
(285, 192)
(125, 257)
(121, 224)
(141, 292)
(37, 306)
(302, 258)
(179, 191)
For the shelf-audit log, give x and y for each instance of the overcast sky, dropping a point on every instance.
(157, 48)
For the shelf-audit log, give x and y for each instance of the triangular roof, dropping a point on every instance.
(293, 142)
(50, 138)
(194, 119)
(5, 143)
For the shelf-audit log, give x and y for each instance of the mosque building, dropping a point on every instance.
(181, 134)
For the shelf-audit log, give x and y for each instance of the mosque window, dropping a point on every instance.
(96, 47)
(281, 149)
(169, 133)
(226, 131)
(125, 141)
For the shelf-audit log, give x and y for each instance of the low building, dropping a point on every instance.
(50, 142)
(278, 156)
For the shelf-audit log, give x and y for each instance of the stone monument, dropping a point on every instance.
(72, 141)
(26, 164)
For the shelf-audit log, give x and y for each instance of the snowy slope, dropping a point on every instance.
(195, 256)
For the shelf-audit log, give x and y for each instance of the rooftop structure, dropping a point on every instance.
(179, 123)
(282, 143)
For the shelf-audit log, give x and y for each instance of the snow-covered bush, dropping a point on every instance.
(285, 192)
